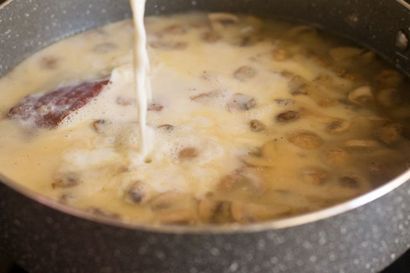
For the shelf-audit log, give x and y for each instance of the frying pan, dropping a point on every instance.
(361, 235)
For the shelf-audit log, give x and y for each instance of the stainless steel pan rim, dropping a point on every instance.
(220, 229)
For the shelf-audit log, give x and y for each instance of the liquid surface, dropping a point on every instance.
(250, 120)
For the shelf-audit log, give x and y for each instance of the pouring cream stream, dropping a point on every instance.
(141, 71)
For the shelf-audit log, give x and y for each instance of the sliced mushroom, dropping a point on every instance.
(241, 102)
(240, 182)
(338, 126)
(174, 208)
(136, 193)
(222, 18)
(280, 55)
(166, 127)
(361, 95)
(259, 157)
(49, 62)
(315, 176)
(168, 45)
(255, 151)
(125, 101)
(257, 161)
(390, 133)
(104, 48)
(349, 182)
(362, 144)
(66, 198)
(174, 29)
(297, 85)
(104, 213)
(155, 107)
(288, 116)
(367, 57)
(210, 37)
(244, 73)
(284, 102)
(305, 140)
(204, 97)
(214, 211)
(389, 97)
(245, 212)
(389, 78)
(343, 53)
(257, 126)
(188, 153)
(247, 40)
(101, 126)
(66, 180)
(336, 156)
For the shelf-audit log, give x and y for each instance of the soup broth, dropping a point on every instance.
(250, 120)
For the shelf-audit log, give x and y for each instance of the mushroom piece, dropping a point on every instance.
(280, 55)
(246, 40)
(222, 19)
(214, 211)
(101, 126)
(204, 97)
(174, 208)
(188, 153)
(244, 73)
(174, 29)
(367, 57)
(389, 78)
(241, 102)
(103, 213)
(66, 198)
(305, 140)
(338, 126)
(388, 97)
(284, 102)
(343, 53)
(136, 193)
(49, 62)
(240, 182)
(297, 85)
(336, 156)
(260, 157)
(288, 116)
(390, 133)
(155, 107)
(361, 95)
(257, 126)
(124, 101)
(315, 176)
(244, 212)
(166, 127)
(361, 144)
(349, 182)
(168, 45)
(66, 180)
(210, 37)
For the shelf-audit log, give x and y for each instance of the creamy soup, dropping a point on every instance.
(250, 120)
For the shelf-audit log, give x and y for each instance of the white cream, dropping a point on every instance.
(141, 72)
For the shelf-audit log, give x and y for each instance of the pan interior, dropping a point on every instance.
(169, 9)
